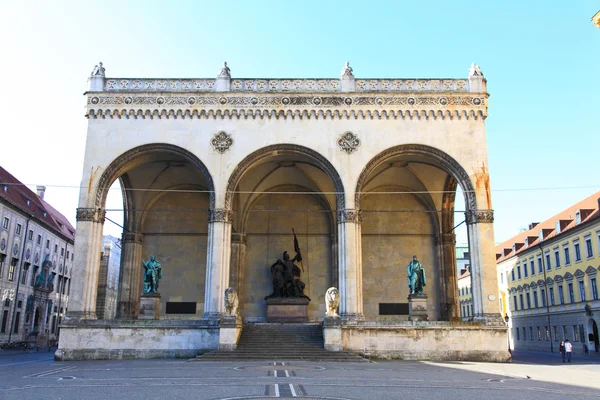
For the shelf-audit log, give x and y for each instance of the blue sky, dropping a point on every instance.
(541, 59)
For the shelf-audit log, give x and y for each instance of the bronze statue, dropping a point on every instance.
(286, 276)
(416, 276)
(152, 274)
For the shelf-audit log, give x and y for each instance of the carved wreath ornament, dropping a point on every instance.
(221, 142)
(348, 142)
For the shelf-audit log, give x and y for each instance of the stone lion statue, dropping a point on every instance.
(332, 300)
(231, 302)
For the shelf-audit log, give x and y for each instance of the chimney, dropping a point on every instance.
(533, 225)
(40, 191)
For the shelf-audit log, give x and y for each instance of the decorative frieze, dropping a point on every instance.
(348, 142)
(349, 215)
(91, 214)
(221, 142)
(220, 215)
(479, 216)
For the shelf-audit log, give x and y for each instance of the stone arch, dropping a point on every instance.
(118, 166)
(285, 149)
(445, 161)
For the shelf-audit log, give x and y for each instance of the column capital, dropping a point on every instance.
(349, 215)
(91, 214)
(219, 215)
(132, 237)
(446, 238)
(479, 216)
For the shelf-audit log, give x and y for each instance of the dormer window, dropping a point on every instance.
(557, 227)
(5, 188)
(577, 217)
(541, 234)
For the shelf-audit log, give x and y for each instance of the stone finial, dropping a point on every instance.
(225, 71)
(347, 70)
(475, 70)
(99, 70)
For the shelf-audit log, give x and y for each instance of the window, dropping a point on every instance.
(577, 218)
(565, 332)
(567, 255)
(524, 334)
(575, 334)
(531, 333)
(543, 294)
(30, 235)
(17, 322)
(516, 305)
(62, 251)
(588, 247)
(535, 299)
(512, 272)
(5, 223)
(521, 302)
(540, 268)
(56, 248)
(532, 266)
(539, 333)
(519, 272)
(18, 229)
(517, 329)
(502, 277)
(551, 292)
(11, 269)
(528, 298)
(525, 272)
(555, 332)
(39, 239)
(548, 265)
(561, 294)
(35, 270)
(24, 274)
(557, 258)
(577, 251)
(594, 289)
(48, 244)
(547, 333)
(4, 321)
(582, 295)
(571, 293)
(68, 254)
(581, 333)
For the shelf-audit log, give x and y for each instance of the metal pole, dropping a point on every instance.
(24, 244)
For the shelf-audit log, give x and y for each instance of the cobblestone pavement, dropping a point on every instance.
(37, 375)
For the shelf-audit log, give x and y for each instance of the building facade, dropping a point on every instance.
(465, 295)
(217, 174)
(108, 278)
(548, 280)
(36, 263)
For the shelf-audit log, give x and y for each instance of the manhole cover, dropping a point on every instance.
(280, 368)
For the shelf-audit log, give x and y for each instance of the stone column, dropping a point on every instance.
(88, 246)
(447, 246)
(350, 265)
(218, 262)
(238, 264)
(335, 273)
(484, 278)
(129, 278)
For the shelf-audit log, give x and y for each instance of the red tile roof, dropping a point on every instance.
(568, 216)
(17, 194)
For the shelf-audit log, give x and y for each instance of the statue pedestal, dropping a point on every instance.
(417, 307)
(149, 306)
(287, 309)
(332, 334)
(230, 329)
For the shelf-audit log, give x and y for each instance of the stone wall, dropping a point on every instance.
(427, 341)
(98, 340)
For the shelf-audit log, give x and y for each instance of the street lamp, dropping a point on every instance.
(506, 319)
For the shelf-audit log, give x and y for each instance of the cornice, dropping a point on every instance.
(237, 105)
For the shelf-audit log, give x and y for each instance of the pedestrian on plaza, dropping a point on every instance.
(561, 348)
(568, 349)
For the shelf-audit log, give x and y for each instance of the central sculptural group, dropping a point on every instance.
(286, 276)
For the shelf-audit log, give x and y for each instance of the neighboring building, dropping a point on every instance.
(596, 19)
(548, 280)
(465, 295)
(36, 258)
(108, 280)
(462, 257)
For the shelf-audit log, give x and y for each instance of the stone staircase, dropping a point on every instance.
(268, 341)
